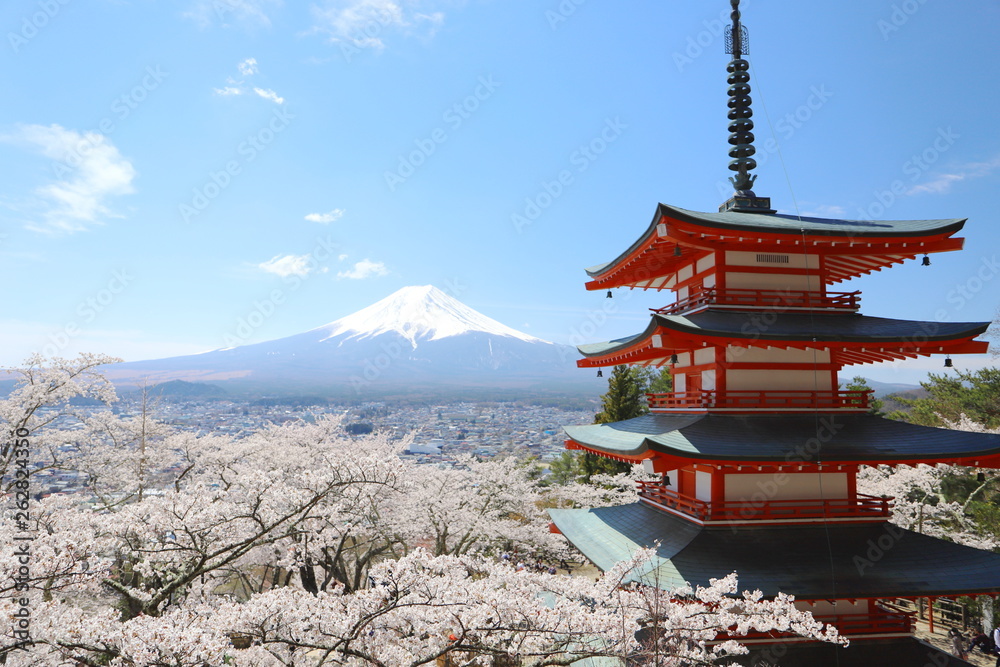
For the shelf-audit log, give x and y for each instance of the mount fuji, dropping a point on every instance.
(416, 338)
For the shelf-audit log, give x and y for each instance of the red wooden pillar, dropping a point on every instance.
(718, 490)
(852, 484)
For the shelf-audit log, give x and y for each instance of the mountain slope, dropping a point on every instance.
(417, 337)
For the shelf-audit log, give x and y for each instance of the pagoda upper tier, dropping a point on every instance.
(682, 248)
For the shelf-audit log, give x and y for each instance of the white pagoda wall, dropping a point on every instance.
(791, 282)
(777, 380)
(774, 355)
(703, 486)
(786, 486)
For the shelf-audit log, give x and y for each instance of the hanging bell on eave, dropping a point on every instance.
(677, 250)
(948, 363)
(980, 476)
(926, 261)
(673, 359)
(600, 373)
(609, 294)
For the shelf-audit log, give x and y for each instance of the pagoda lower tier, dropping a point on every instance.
(870, 653)
(817, 562)
(774, 498)
(847, 575)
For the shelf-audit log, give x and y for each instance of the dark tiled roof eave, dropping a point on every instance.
(832, 327)
(795, 327)
(902, 651)
(834, 561)
(828, 438)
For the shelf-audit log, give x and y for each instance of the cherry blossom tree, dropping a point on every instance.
(298, 545)
(921, 503)
(421, 608)
(41, 396)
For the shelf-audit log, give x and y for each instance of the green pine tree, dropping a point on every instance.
(625, 399)
(859, 383)
(973, 393)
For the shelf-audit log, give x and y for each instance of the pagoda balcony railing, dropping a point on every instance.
(864, 506)
(878, 622)
(775, 299)
(709, 399)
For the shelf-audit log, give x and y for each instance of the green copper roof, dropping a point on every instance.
(854, 437)
(778, 223)
(810, 562)
(792, 224)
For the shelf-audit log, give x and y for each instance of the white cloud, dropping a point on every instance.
(341, 258)
(269, 94)
(90, 169)
(364, 23)
(326, 218)
(364, 269)
(226, 12)
(289, 265)
(248, 67)
(942, 183)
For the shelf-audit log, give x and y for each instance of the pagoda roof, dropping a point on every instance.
(759, 438)
(793, 224)
(832, 561)
(861, 653)
(795, 329)
(873, 243)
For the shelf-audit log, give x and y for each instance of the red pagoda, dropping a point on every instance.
(757, 449)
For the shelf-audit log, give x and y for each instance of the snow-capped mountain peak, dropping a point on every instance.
(419, 313)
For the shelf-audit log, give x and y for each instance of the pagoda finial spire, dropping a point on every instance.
(740, 123)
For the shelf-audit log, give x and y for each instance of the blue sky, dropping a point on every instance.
(178, 176)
